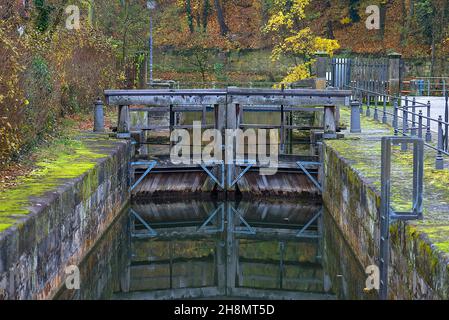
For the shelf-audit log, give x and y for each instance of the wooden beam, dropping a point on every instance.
(297, 97)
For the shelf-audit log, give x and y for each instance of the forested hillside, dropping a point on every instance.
(409, 26)
(415, 28)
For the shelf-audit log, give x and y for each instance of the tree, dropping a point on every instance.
(220, 17)
(188, 8)
(431, 21)
(206, 11)
(294, 39)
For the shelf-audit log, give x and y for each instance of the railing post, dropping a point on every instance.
(355, 117)
(98, 116)
(439, 162)
(395, 114)
(361, 102)
(384, 115)
(384, 246)
(420, 124)
(428, 132)
(404, 146)
(376, 111)
(413, 131)
(446, 119)
(368, 103)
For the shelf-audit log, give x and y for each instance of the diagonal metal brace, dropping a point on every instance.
(209, 219)
(249, 164)
(301, 233)
(151, 232)
(302, 164)
(250, 229)
(221, 182)
(233, 183)
(151, 165)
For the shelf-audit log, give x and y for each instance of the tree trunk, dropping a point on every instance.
(404, 31)
(206, 9)
(432, 66)
(220, 17)
(383, 16)
(330, 30)
(189, 16)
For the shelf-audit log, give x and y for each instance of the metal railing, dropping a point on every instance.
(386, 211)
(426, 86)
(408, 120)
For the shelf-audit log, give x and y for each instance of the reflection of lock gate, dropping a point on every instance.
(228, 221)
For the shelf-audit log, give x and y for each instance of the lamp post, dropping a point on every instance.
(151, 5)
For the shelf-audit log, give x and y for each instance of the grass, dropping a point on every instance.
(64, 156)
(364, 154)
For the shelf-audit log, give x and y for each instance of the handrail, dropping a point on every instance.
(417, 126)
(403, 108)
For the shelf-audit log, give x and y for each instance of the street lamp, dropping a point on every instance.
(151, 5)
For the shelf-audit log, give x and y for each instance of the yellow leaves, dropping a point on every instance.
(326, 45)
(304, 43)
(297, 73)
(285, 14)
(345, 20)
(42, 65)
(293, 41)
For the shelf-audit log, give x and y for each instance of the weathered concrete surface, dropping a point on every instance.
(102, 270)
(420, 249)
(62, 215)
(343, 271)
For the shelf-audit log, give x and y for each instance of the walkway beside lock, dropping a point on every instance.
(419, 255)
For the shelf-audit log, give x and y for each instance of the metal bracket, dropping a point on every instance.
(386, 212)
(302, 233)
(221, 183)
(204, 227)
(151, 232)
(151, 165)
(249, 230)
(125, 135)
(302, 165)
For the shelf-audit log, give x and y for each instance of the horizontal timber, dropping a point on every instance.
(297, 97)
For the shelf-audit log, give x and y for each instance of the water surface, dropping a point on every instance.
(191, 249)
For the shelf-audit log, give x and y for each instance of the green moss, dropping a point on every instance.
(363, 154)
(443, 246)
(65, 159)
(4, 226)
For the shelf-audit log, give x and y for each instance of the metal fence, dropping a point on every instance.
(409, 118)
(426, 86)
(359, 71)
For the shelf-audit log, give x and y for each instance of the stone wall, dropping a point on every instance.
(422, 67)
(63, 225)
(417, 270)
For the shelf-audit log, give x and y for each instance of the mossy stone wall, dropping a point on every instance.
(63, 224)
(416, 270)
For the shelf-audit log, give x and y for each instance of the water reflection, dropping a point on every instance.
(205, 249)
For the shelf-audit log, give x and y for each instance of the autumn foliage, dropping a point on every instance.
(46, 76)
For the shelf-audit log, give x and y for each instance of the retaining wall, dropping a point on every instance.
(417, 269)
(64, 224)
